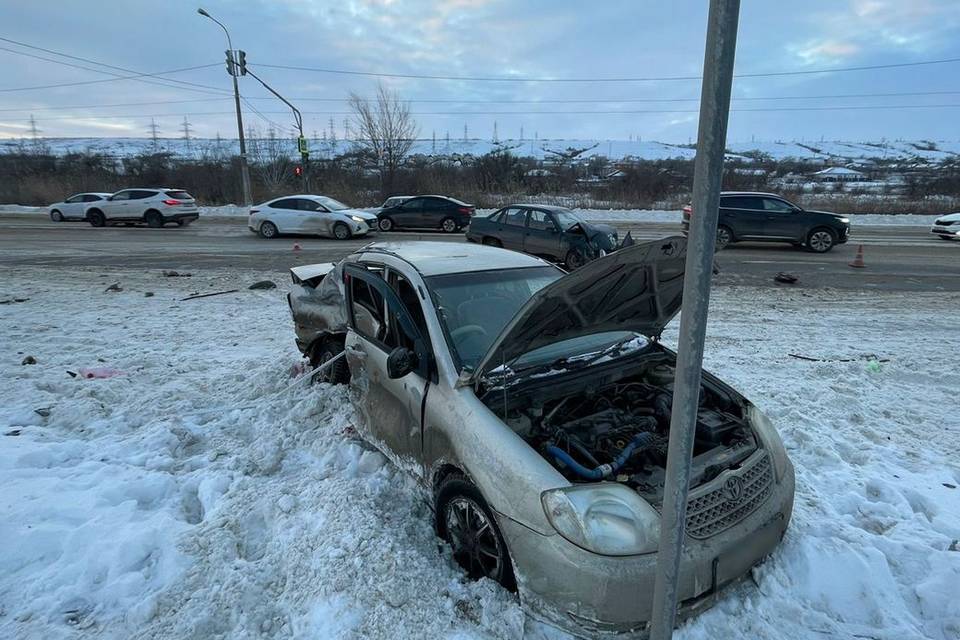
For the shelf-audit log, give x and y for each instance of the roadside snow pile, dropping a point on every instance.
(154, 503)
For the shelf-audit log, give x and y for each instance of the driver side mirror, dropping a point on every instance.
(400, 362)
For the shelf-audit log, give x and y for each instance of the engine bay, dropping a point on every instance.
(619, 429)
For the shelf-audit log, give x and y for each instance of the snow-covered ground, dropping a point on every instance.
(833, 151)
(191, 496)
(599, 215)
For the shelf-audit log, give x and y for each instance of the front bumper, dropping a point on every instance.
(946, 232)
(589, 594)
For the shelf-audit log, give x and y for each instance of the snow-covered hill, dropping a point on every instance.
(835, 152)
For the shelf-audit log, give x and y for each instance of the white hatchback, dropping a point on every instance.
(74, 207)
(309, 215)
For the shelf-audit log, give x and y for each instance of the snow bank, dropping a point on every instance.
(143, 505)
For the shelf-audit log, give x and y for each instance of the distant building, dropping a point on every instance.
(839, 174)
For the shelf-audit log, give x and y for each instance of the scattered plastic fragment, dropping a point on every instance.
(99, 372)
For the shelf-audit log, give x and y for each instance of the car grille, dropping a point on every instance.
(943, 223)
(731, 498)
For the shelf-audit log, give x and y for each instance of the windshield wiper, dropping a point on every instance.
(573, 363)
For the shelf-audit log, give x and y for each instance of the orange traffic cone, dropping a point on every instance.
(858, 261)
(296, 246)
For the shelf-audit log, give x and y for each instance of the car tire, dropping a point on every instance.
(96, 219)
(268, 230)
(492, 242)
(56, 216)
(154, 219)
(465, 521)
(339, 372)
(449, 225)
(574, 260)
(184, 223)
(385, 224)
(724, 236)
(821, 240)
(341, 231)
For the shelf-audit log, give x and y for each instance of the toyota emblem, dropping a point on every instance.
(733, 489)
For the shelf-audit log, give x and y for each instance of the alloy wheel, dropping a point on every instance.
(341, 231)
(475, 544)
(820, 241)
(723, 237)
(449, 225)
(385, 224)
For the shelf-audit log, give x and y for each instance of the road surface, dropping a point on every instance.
(897, 257)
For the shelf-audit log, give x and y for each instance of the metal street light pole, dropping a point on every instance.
(301, 141)
(708, 172)
(244, 169)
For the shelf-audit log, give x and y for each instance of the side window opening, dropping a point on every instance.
(368, 308)
(396, 336)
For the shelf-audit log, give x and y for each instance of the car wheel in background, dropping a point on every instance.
(96, 219)
(385, 224)
(338, 372)
(574, 260)
(724, 236)
(56, 216)
(154, 219)
(448, 225)
(184, 223)
(465, 521)
(821, 240)
(341, 231)
(268, 230)
(492, 242)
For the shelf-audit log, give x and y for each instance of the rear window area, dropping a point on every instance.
(178, 195)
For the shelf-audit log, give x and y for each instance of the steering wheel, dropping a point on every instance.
(460, 333)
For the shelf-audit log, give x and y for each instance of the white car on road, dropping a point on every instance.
(156, 207)
(309, 215)
(947, 227)
(74, 207)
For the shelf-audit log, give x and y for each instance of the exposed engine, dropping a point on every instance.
(620, 431)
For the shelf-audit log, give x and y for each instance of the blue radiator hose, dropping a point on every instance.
(643, 439)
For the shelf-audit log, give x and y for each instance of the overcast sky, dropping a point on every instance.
(485, 38)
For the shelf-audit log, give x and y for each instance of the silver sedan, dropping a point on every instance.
(534, 406)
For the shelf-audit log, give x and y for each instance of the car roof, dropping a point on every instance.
(432, 258)
(434, 195)
(547, 207)
(751, 193)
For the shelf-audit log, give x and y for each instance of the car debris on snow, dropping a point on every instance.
(208, 295)
(785, 278)
(114, 287)
(263, 284)
(28, 360)
(169, 273)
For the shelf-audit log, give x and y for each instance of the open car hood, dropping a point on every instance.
(638, 288)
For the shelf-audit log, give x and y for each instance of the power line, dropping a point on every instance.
(543, 101)
(540, 113)
(185, 83)
(768, 74)
(130, 77)
(119, 104)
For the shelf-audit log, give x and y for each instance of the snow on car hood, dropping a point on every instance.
(637, 289)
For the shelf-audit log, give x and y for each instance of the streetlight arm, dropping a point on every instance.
(207, 15)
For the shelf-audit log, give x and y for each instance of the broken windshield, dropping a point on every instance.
(475, 307)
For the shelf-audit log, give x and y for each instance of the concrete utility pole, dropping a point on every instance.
(708, 171)
(244, 169)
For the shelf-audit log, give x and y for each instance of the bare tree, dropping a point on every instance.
(384, 128)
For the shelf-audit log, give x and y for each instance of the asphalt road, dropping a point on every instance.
(897, 258)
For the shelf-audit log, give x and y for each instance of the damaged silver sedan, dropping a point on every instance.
(535, 406)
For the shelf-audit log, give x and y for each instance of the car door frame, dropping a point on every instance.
(73, 210)
(408, 215)
(113, 208)
(543, 242)
(784, 225)
(392, 411)
(511, 236)
(316, 220)
(745, 223)
(286, 220)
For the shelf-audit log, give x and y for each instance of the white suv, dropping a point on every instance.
(156, 207)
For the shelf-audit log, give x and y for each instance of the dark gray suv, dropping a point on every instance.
(767, 217)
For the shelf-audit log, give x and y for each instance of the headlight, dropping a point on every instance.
(357, 219)
(771, 440)
(605, 518)
(845, 220)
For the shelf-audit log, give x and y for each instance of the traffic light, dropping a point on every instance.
(242, 61)
(298, 171)
(230, 63)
